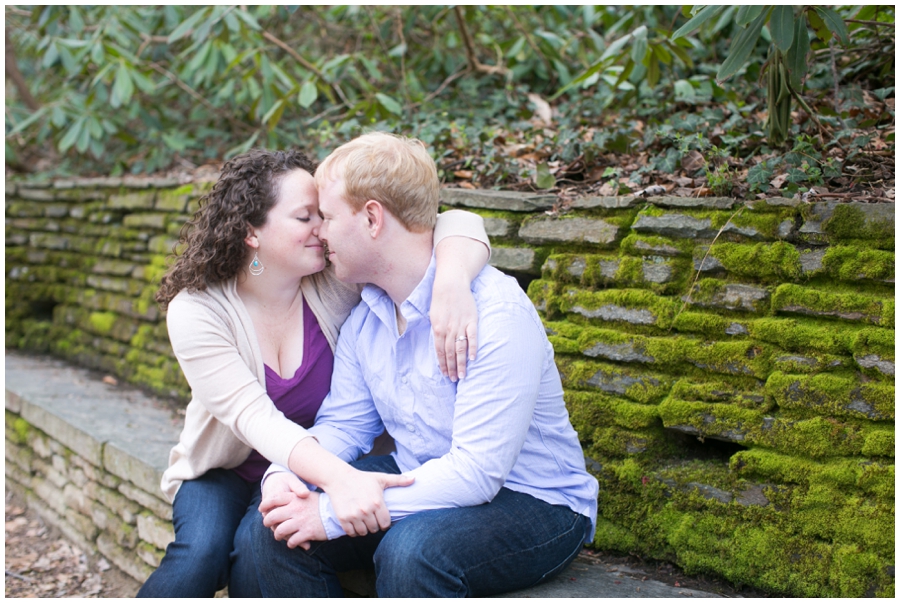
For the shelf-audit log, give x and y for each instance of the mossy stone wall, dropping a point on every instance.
(729, 366)
(83, 262)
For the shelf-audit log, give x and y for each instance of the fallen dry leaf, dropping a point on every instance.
(778, 181)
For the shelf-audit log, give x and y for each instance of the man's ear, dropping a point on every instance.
(374, 213)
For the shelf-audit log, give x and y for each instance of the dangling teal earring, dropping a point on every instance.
(256, 267)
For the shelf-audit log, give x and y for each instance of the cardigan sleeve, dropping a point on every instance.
(213, 357)
(461, 223)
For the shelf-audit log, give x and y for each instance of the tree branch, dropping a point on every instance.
(531, 42)
(474, 63)
(308, 66)
(196, 95)
(440, 88)
(874, 23)
(12, 70)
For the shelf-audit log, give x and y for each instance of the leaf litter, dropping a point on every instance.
(40, 562)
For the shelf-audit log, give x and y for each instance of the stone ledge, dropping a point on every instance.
(134, 435)
(110, 426)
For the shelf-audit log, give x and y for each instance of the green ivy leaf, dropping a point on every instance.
(543, 179)
(273, 115)
(759, 176)
(653, 69)
(639, 47)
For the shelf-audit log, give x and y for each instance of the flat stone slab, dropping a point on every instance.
(514, 259)
(116, 427)
(585, 578)
(569, 230)
(500, 200)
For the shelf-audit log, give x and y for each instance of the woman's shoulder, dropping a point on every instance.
(213, 299)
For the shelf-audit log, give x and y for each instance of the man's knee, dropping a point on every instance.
(408, 564)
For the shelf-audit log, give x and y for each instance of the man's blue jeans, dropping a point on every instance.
(212, 516)
(512, 542)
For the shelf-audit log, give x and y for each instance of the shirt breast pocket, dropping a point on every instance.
(436, 403)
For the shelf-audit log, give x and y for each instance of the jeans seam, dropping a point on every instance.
(572, 528)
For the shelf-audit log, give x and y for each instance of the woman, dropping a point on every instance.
(253, 320)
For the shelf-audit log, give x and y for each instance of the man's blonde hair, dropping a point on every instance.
(396, 171)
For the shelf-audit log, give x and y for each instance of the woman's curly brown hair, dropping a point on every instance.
(214, 249)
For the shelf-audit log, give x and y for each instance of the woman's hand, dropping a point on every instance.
(454, 320)
(358, 500)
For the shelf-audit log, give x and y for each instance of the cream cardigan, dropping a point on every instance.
(215, 343)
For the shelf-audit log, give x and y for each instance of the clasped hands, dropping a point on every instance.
(291, 510)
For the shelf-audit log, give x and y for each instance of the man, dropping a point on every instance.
(501, 498)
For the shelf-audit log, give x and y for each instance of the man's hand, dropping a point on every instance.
(290, 515)
(284, 482)
(358, 500)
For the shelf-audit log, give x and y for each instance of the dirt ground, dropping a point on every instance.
(41, 562)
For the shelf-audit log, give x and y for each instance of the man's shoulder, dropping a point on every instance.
(494, 287)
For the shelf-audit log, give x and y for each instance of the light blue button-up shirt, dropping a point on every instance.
(504, 425)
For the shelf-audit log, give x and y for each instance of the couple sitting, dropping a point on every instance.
(487, 490)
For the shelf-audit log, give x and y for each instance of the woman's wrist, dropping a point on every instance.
(315, 465)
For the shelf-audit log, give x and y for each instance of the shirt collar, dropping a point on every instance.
(420, 298)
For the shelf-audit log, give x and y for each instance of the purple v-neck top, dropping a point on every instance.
(298, 397)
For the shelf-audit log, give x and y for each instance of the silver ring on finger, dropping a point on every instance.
(462, 338)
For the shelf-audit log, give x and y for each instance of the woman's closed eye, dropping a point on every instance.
(304, 219)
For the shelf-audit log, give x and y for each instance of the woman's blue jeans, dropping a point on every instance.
(212, 516)
(513, 542)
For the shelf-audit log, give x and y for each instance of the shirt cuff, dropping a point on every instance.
(276, 468)
(332, 526)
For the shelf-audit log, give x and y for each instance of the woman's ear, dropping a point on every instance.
(252, 240)
(374, 213)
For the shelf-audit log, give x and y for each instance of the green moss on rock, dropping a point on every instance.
(853, 263)
(832, 395)
(639, 385)
(849, 222)
(846, 306)
(872, 477)
(769, 262)
(632, 306)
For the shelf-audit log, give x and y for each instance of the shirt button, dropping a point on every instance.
(403, 379)
(411, 428)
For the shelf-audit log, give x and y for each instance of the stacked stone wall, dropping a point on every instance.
(729, 365)
(83, 263)
(88, 457)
